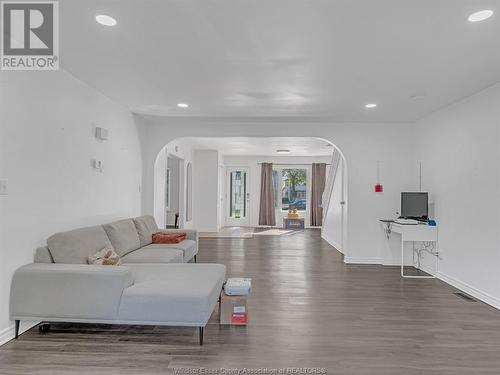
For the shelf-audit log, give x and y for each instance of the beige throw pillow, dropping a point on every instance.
(105, 257)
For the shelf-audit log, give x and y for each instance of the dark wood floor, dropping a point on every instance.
(307, 309)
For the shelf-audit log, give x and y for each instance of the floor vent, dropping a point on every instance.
(465, 297)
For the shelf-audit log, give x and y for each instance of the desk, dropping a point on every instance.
(413, 233)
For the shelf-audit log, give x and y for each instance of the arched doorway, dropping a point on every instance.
(335, 207)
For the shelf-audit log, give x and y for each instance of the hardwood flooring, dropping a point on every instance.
(307, 309)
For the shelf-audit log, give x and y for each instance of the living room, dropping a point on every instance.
(406, 92)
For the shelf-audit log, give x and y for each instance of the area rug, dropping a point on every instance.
(275, 232)
(230, 232)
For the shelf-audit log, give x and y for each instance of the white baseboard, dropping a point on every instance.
(9, 333)
(469, 289)
(362, 260)
(464, 287)
(332, 243)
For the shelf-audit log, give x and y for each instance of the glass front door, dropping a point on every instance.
(238, 197)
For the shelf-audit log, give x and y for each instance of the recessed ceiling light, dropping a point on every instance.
(417, 97)
(480, 16)
(105, 20)
(283, 151)
(370, 105)
(182, 105)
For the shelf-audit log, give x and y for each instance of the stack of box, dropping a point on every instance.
(234, 309)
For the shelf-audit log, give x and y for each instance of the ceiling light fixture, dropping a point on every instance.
(480, 16)
(105, 20)
(417, 97)
(370, 105)
(283, 151)
(182, 105)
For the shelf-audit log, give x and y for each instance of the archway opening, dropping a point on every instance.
(211, 183)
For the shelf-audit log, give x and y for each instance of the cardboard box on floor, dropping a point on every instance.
(233, 310)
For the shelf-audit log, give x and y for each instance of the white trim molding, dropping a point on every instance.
(331, 242)
(469, 289)
(362, 260)
(8, 333)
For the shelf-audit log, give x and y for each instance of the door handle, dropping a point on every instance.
(342, 203)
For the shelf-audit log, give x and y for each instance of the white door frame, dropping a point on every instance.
(230, 221)
(342, 205)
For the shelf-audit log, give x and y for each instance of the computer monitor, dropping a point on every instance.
(415, 205)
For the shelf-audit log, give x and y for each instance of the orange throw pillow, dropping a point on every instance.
(168, 238)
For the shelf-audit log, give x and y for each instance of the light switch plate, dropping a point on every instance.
(3, 187)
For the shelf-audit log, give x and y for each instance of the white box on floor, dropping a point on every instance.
(238, 286)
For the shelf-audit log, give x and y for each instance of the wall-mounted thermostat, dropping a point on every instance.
(97, 164)
(101, 133)
(3, 187)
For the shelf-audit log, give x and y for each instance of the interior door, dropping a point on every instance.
(237, 197)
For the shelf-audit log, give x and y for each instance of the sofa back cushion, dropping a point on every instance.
(42, 255)
(123, 236)
(146, 226)
(74, 246)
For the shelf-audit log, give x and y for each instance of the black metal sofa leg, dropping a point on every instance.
(18, 322)
(43, 327)
(201, 335)
(195, 258)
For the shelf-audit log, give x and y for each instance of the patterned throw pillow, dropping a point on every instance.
(105, 257)
(168, 238)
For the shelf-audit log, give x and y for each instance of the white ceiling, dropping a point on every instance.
(324, 58)
(302, 146)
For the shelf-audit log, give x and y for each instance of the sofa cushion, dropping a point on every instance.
(158, 255)
(123, 236)
(74, 246)
(175, 294)
(146, 226)
(68, 291)
(188, 248)
(42, 255)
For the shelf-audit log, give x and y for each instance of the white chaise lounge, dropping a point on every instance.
(147, 289)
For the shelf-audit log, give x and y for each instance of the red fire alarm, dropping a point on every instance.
(378, 186)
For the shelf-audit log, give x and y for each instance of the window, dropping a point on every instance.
(290, 187)
(238, 202)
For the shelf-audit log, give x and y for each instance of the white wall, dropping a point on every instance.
(206, 190)
(460, 154)
(253, 164)
(173, 165)
(160, 168)
(361, 144)
(46, 148)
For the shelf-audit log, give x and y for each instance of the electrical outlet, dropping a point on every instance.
(3, 187)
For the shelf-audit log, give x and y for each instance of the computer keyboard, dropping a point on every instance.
(406, 221)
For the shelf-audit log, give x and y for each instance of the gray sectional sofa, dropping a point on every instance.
(130, 238)
(154, 286)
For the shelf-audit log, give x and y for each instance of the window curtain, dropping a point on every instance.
(317, 189)
(267, 214)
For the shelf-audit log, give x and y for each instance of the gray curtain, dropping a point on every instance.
(266, 213)
(317, 189)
